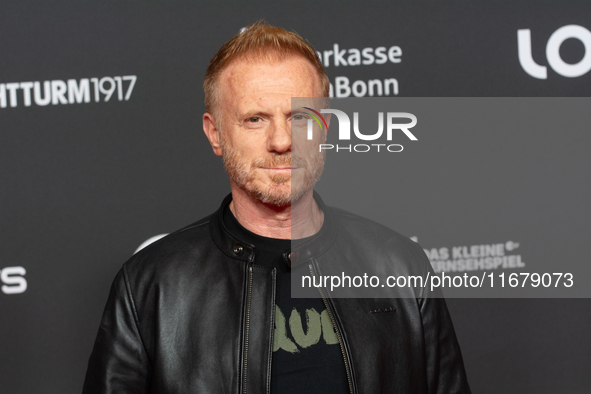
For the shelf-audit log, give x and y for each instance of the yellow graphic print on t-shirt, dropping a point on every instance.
(318, 324)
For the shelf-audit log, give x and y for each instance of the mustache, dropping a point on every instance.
(277, 160)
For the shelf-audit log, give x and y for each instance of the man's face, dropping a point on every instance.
(256, 140)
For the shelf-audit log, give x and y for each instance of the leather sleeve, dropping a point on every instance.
(118, 363)
(445, 366)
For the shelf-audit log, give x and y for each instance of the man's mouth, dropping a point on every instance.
(282, 171)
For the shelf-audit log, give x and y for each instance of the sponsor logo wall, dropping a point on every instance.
(13, 280)
(101, 149)
(553, 56)
(475, 257)
(65, 92)
(354, 57)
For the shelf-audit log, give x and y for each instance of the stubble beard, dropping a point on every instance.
(281, 192)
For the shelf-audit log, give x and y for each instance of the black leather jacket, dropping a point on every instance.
(192, 313)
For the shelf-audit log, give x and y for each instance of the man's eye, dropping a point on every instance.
(299, 117)
(255, 119)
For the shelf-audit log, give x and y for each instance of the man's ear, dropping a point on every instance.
(212, 133)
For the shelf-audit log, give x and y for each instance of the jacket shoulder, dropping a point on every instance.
(171, 252)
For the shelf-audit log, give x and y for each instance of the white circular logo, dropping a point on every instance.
(553, 51)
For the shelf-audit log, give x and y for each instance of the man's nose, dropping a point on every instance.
(279, 138)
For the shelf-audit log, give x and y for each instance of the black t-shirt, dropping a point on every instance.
(307, 357)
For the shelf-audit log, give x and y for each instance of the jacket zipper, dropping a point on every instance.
(337, 330)
(247, 326)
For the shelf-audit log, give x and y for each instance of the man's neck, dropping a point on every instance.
(300, 220)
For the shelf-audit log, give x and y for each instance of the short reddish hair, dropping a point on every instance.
(260, 39)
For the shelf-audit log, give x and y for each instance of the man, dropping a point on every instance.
(208, 308)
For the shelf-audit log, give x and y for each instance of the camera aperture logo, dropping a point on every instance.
(393, 124)
(310, 125)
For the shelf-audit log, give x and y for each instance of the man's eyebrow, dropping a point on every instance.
(254, 113)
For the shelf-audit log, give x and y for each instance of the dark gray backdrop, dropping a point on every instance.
(83, 184)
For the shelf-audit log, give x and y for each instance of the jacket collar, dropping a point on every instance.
(300, 252)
